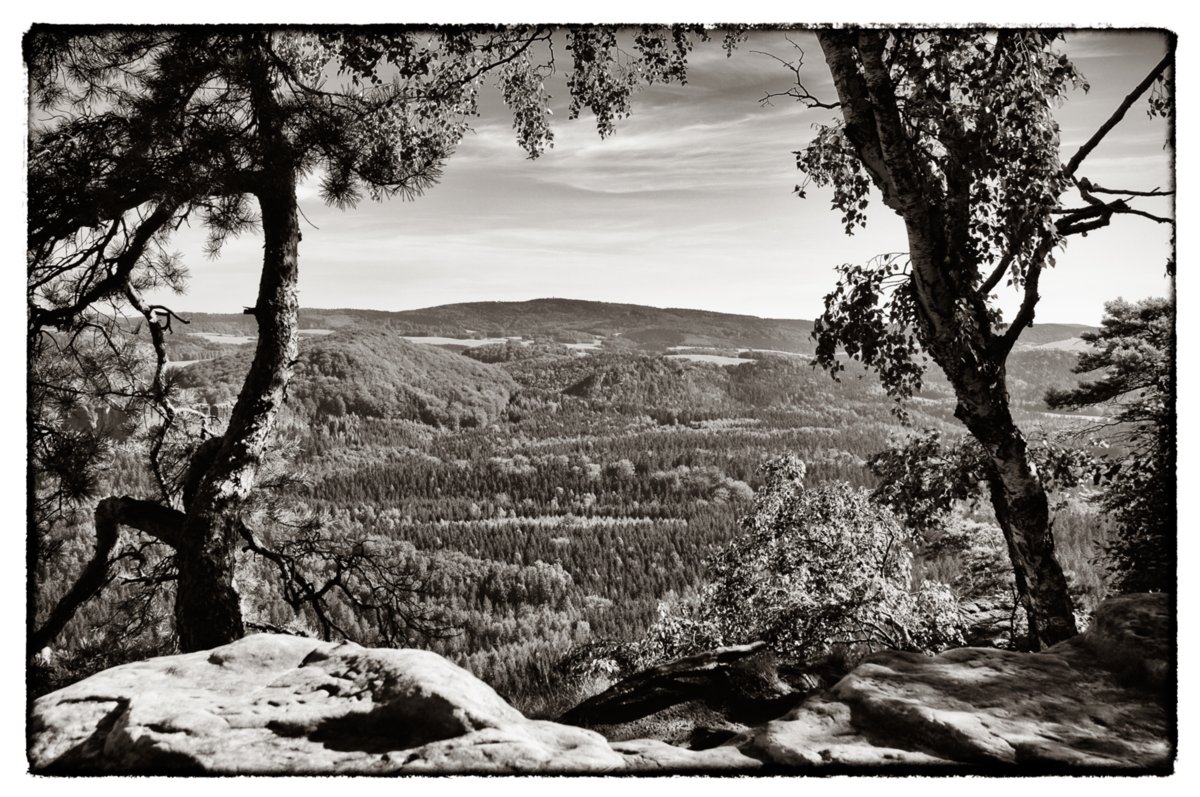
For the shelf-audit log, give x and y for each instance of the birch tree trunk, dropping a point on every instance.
(957, 330)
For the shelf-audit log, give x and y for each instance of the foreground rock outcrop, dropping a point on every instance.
(1101, 700)
(279, 704)
(276, 704)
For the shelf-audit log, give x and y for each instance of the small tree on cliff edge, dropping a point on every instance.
(149, 128)
(955, 130)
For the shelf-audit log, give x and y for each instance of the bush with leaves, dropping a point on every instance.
(938, 488)
(815, 570)
(924, 478)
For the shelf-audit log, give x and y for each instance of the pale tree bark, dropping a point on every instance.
(958, 333)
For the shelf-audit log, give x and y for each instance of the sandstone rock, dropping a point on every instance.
(993, 621)
(1130, 635)
(281, 704)
(819, 733)
(87, 724)
(652, 754)
(529, 746)
(1072, 705)
(992, 706)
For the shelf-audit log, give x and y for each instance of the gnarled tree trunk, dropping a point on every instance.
(207, 605)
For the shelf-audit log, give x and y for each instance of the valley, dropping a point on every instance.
(550, 472)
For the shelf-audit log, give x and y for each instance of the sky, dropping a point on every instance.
(689, 204)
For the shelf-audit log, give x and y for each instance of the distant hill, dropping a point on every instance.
(359, 361)
(650, 328)
(655, 382)
(629, 327)
(378, 373)
(562, 320)
(649, 381)
(372, 373)
(1072, 345)
(1045, 335)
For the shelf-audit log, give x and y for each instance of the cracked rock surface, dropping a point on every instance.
(279, 704)
(1099, 700)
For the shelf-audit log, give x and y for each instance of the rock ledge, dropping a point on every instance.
(275, 704)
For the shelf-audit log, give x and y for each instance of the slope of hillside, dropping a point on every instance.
(1042, 335)
(373, 373)
(564, 320)
(663, 382)
(649, 381)
(572, 321)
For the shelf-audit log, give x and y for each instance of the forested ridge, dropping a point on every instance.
(572, 320)
(544, 497)
(374, 374)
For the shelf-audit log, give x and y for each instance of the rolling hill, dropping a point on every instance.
(562, 320)
(628, 327)
(373, 363)
(373, 373)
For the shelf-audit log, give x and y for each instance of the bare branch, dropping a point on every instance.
(1136, 212)
(1024, 317)
(998, 272)
(115, 282)
(161, 522)
(158, 387)
(1117, 115)
(315, 569)
(1099, 189)
(1076, 221)
(799, 91)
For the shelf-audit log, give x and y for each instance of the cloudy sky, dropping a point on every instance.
(689, 204)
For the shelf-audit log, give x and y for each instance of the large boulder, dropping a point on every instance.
(280, 704)
(1131, 636)
(988, 706)
(1099, 700)
(1075, 704)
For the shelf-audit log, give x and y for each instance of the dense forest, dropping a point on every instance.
(541, 497)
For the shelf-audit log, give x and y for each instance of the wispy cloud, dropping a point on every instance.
(688, 204)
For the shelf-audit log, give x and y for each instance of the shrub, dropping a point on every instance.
(814, 570)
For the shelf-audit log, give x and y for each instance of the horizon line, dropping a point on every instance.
(587, 301)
